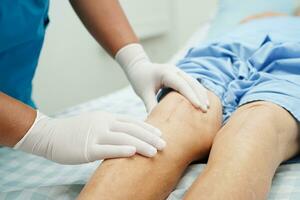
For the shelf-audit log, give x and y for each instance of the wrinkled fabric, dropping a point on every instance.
(258, 61)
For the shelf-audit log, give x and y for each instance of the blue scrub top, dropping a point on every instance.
(22, 30)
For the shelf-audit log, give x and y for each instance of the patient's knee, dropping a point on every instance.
(176, 109)
(177, 117)
(262, 125)
(280, 125)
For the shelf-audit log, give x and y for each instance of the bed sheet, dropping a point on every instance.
(25, 176)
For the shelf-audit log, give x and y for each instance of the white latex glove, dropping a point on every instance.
(147, 78)
(89, 137)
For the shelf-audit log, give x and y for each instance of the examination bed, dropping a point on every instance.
(25, 176)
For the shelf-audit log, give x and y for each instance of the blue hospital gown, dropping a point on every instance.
(259, 60)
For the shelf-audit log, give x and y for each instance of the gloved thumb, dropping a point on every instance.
(150, 100)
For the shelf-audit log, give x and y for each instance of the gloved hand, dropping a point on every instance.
(89, 137)
(147, 78)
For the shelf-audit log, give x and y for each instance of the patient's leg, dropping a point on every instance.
(262, 16)
(189, 134)
(246, 153)
(297, 12)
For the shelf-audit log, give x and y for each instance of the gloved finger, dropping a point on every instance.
(176, 82)
(150, 128)
(198, 88)
(140, 133)
(100, 152)
(150, 100)
(120, 138)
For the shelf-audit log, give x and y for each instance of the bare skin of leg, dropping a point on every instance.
(269, 14)
(262, 16)
(246, 152)
(297, 12)
(189, 134)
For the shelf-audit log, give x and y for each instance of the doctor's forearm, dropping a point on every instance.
(107, 22)
(15, 120)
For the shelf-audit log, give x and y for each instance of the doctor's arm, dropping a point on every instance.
(79, 139)
(106, 21)
(15, 120)
(108, 24)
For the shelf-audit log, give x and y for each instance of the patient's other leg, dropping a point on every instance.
(189, 134)
(297, 12)
(246, 153)
(262, 16)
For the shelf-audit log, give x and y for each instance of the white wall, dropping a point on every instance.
(74, 69)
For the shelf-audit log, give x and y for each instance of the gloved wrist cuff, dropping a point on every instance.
(130, 54)
(38, 117)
